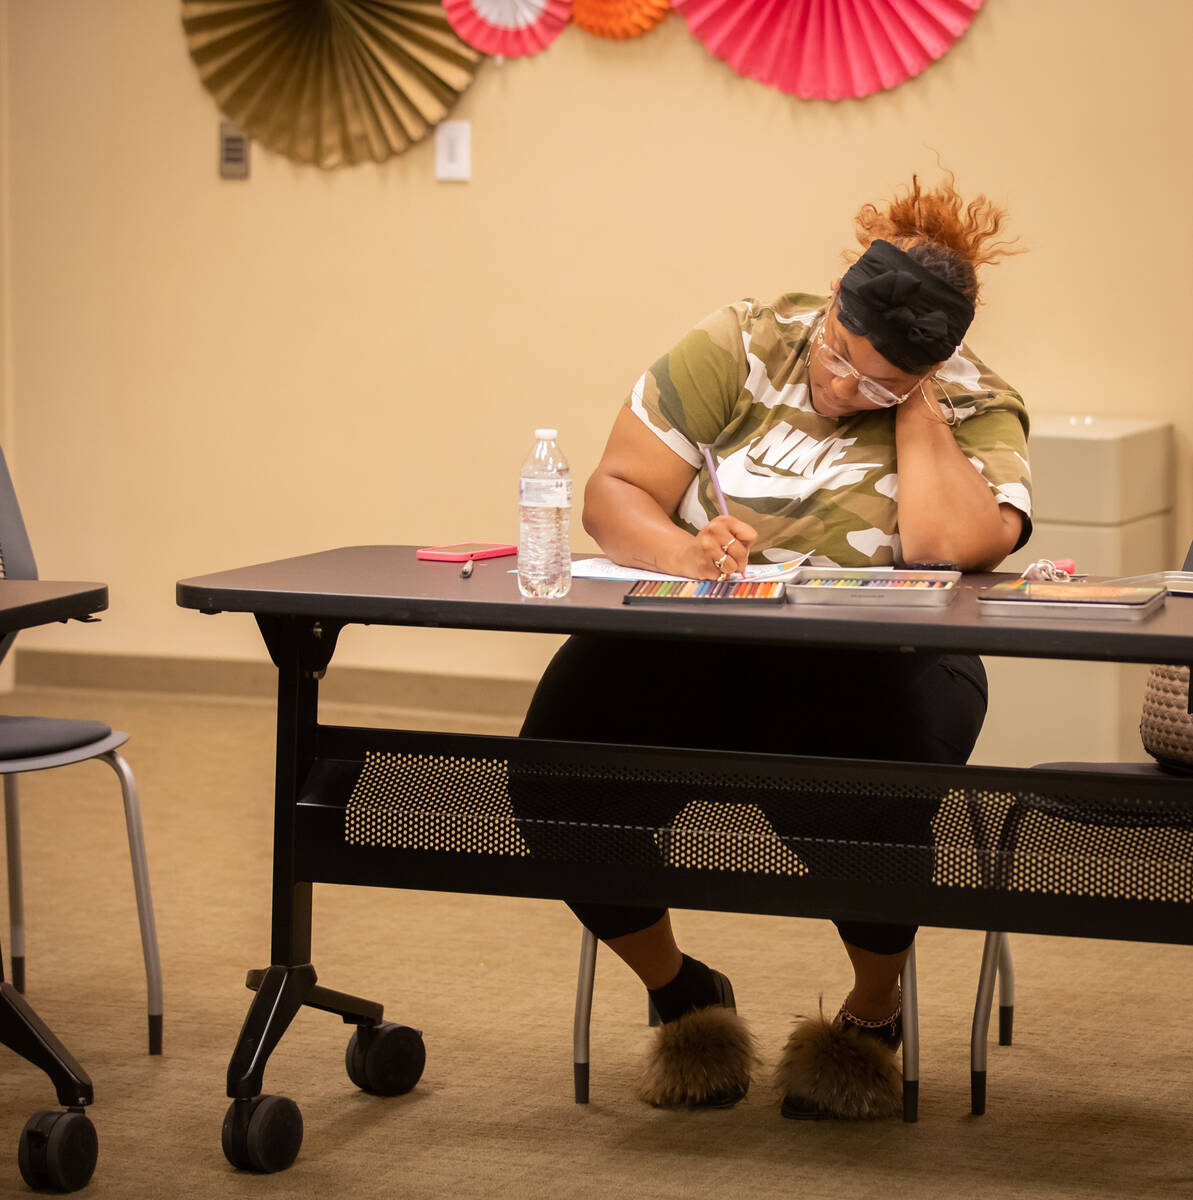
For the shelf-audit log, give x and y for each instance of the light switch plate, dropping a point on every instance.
(453, 150)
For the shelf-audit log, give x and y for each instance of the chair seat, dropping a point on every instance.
(28, 737)
(1112, 768)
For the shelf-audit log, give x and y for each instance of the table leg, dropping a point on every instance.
(301, 650)
(57, 1150)
(260, 1132)
(281, 992)
(22, 1030)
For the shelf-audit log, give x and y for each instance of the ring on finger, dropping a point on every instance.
(729, 543)
(719, 563)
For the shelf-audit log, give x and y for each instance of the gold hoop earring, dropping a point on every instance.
(952, 419)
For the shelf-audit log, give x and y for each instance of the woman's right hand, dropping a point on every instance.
(725, 541)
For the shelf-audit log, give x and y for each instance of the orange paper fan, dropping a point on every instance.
(619, 18)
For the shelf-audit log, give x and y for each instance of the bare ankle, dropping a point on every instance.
(651, 953)
(659, 972)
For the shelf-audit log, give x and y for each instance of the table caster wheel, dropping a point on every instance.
(385, 1059)
(263, 1133)
(58, 1150)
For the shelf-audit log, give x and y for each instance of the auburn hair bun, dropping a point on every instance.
(949, 237)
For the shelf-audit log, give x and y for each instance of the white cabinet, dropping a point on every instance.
(1103, 490)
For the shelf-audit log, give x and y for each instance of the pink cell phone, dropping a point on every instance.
(466, 550)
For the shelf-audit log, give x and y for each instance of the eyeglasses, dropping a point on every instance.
(869, 389)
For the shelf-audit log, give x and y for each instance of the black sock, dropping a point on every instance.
(694, 986)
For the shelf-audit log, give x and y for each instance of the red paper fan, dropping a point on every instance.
(619, 18)
(514, 28)
(828, 49)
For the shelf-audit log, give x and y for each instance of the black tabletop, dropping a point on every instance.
(28, 602)
(387, 585)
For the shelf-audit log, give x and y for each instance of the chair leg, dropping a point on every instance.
(16, 891)
(1006, 991)
(583, 1017)
(991, 951)
(136, 850)
(911, 1040)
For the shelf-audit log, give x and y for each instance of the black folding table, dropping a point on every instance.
(336, 819)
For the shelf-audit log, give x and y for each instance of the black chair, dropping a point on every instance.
(55, 1146)
(1031, 824)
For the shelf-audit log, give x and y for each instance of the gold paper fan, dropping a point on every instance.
(330, 81)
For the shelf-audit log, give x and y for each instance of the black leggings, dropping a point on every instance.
(763, 700)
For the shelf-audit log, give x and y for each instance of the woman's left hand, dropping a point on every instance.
(947, 512)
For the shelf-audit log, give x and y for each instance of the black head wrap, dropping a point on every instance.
(911, 316)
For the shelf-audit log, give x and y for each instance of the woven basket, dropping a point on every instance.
(1166, 725)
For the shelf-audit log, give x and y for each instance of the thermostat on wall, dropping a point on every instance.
(234, 152)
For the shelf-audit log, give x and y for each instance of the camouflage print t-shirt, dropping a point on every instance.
(738, 383)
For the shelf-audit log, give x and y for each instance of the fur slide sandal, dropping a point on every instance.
(834, 1069)
(701, 1060)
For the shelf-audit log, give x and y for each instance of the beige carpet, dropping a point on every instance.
(1093, 1100)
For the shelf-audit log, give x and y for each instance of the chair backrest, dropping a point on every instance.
(16, 555)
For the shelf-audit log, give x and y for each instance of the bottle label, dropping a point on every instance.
(545, 493)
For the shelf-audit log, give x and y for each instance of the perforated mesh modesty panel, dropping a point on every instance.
(876, 827)
(588, 813)
(433, 802)
(1065, 845)
(1072, 858)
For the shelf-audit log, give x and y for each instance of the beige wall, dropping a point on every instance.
(204, 373)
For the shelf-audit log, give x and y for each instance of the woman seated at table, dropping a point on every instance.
(855, 427)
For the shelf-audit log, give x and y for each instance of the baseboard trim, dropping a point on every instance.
(500, 698)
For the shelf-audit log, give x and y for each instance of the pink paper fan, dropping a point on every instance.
(514, 28)
(828, 49)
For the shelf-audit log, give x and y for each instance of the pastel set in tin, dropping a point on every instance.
(870, 586)
(854, 581)
(726, 591)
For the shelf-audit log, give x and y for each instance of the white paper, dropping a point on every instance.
(603, 568)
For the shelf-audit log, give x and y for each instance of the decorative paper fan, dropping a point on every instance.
(828, 48)
(334, 82)
(619, 18)
(514, 28)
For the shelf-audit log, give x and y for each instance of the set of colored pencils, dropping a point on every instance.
(771, 591)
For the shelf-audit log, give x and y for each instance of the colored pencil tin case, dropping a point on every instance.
(1095, 601)
(706, 591)
(840, 585)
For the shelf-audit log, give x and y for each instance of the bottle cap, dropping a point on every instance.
(548, 435)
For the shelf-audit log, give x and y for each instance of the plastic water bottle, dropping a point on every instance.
(544, 511)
